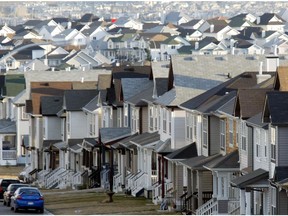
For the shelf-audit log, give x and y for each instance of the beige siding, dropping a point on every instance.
(207, 181)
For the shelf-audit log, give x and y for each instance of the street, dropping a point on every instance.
(4, 210)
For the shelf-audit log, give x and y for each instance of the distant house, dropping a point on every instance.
(176, 18)
(270, 22)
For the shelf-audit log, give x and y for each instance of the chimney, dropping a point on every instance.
(263, 33)
(82, 79)
(196, 45)
(33, 66)
(260, 68)
(233, 50)
(272, 63)
(262, 77)
(52, 68)
(212, 28)
(258, 20)
(276, 50)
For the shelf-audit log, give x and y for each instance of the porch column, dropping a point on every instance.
(123, 167)
(149, 168)
(200, 199)
(248, 202)
(242, 202)
(47, 164)
(193, 189)
(189, 182)
(215, 184)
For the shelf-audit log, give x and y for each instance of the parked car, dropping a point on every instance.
(10, 191)
(27, 198)
(4, 183)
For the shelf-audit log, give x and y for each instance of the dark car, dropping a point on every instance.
(10, 192)
(4, 183)
(27, 198)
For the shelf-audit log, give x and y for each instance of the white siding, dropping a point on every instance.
(52, 128)
(77, 125)
(178, 129)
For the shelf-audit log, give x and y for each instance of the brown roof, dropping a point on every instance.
(39, 89)
(250, 102)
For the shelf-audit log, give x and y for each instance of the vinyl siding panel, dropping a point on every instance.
(207, 181)
(178, 129)
(179, 180)
(261, 161)
(214, 133)
(282, 146)
(250, 146)
(282, 203)
(222, 206)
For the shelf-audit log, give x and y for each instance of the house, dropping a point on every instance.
(176, 18)
(48, 32)
(220, 31)
(128, 23)
(241, 21)
(270, 22)
(70, 37)
(6, 31)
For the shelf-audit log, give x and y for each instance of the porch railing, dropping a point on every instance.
(139, 183)
(208, 208)
(234, 207)
(156, 193)
(76, 179)
(9, 155)
(132, 178)
(154, 177)
(41, 177)
(117, 182)
(52, 177)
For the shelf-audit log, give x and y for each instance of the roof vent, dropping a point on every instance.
(221, 58)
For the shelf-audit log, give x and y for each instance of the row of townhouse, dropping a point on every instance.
(198, 131)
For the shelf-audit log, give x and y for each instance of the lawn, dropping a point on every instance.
(10, 171)
(95, 203)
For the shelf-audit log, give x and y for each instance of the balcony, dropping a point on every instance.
(9, 155)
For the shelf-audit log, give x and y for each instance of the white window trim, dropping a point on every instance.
(222, 134)
(205, 131)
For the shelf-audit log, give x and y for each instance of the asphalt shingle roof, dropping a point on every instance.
(250, 178)
(50, 105)
(75, 100)
(185, 152)
(109, 135)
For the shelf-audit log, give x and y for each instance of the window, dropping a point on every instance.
(68, 122)
(156, 117)
(257, 142)
(135, 120)
(195, 127)
(91, 124)
(169, 122)
(151, 118)
(126, 115)
(222, 134)
(231, 138)
(24, 115)
(273, 144)
(243, 136)
(189, 126)
(173, 47)
(265, 143)
(94, 38)
(164, 120)
(119, 117)
(205, 132)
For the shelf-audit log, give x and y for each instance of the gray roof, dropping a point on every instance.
(49, 143)
(126, 142)
(146, 138)
(250, 178)
(7, 126)
(193, 76)
(229, 161)
(75, 100)
(61, 145)
(132, 86)
(75, 144)
(188, 151)
(256, 120)
(167, 98)
(163, 147)
(199, 162)
(50, 105)
(113, 134)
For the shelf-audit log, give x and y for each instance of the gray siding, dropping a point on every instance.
(222, 206)
(214, 135)
(179, 180)
(250, 146)
(282, 146)
(282, 203)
